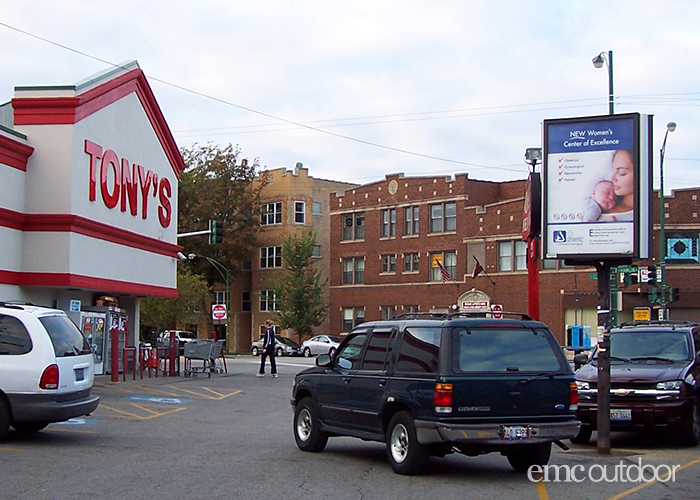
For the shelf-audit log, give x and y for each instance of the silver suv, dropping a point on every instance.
(46, 368)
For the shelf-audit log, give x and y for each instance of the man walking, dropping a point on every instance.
(268, 350)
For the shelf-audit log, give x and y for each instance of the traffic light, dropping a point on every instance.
(216, 232)
(651, 280)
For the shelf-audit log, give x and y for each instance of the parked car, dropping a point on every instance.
(284, 347)
(320, 344)
(430, 385)
(183, 337)
(654, 380)
(46, 368)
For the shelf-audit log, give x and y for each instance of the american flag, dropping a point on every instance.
(443, 272)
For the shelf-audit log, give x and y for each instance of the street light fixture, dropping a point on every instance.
(598, 61)
(221, 269)
(670, 127)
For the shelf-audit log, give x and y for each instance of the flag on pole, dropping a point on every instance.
(477, 269)
(443, 272)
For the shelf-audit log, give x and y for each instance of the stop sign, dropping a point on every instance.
(496, 310)
(218, 311)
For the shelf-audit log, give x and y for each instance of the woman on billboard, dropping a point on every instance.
(623, 184)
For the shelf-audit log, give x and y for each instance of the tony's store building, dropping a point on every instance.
(88, 201)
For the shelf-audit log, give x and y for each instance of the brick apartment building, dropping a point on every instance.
(387, 238)
(292, 202)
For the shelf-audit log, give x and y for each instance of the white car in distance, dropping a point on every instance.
(320, 344)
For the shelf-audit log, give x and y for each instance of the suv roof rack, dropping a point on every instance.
(463, 314)
(667, 322)
(16, 304)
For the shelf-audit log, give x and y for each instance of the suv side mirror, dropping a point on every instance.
(323, 360)
(580, 360)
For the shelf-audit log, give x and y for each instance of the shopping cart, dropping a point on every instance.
(208, 351)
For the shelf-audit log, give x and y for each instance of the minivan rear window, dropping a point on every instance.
(14, 337)
(504, 350)
(66, 338)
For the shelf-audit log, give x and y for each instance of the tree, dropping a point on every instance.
(300, 304)
(217, 184)
(159, 314)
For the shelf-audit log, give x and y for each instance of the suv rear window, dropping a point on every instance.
(14, 337)
(504, 350)
(66, 338)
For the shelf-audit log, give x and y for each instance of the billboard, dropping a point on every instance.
(596, 187)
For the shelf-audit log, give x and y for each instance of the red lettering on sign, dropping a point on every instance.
(121, 184)
(165, 210)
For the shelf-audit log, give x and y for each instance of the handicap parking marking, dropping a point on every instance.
(80, 421)
(157, 399)
(150, 414)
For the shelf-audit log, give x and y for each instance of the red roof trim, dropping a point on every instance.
(67, 280)
(14, 154)
(70, 110)
(87, 227)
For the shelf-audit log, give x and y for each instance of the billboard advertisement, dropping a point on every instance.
(596, 187)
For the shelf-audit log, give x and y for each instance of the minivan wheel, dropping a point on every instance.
(584, 435)
(29, 427)
(307, 434)
(307, 352)
(331, 351)
(405, 454)
(692, 426)
(525, 456)
(4, 419)
(280, 352)
(254, 351)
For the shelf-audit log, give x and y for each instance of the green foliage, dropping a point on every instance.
(298, 292)
(217, 184)
(159, 314)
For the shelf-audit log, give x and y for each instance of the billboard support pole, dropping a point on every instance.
(603, 423)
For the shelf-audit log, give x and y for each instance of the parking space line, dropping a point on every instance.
(541, 487)
(16, 450)
(126, 414)
(645, 485)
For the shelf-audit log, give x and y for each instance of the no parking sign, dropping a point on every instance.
(218, 312)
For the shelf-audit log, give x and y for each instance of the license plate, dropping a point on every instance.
(79, 374)
(620, 414)
(515, 432)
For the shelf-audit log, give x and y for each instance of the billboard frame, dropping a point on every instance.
(595, 240)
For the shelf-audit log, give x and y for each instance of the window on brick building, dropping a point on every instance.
(354, 226)
(410, 226)
(410, 262)
(268, 300)
(246, 303)
(389, 263)
(448, 261)
(353, 271)
(270, 257)
(270, 213)
(299, 212)
(512, 255)
(352, 316)
(410, 309)
(443, 217)
(317, 208)
(388, 312)
(316, 253)
(389, 223)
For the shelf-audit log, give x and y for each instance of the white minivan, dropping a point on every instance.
(46, 368)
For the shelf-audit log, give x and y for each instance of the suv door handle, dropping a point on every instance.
(347, 380)
(382, 382)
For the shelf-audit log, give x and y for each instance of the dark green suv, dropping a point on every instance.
(435, 384)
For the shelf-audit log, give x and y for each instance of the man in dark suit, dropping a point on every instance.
(268, 350)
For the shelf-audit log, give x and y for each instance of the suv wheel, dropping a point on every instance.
(29, 427)
(307, 352)
(306, 432)
(583, 435)
(254, 351)
(691, 428)
(405, 454)
(331, 351)
(523, 457)
(279, 352)
(4, 419)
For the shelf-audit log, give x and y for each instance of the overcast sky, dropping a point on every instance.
(383, 86)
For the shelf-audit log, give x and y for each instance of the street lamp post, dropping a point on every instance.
(670, 127)
(221, 269)
(607, 58)
(531, 230)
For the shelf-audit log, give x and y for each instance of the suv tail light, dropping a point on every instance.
(573, 396)
(443, 398)
(49, 379)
